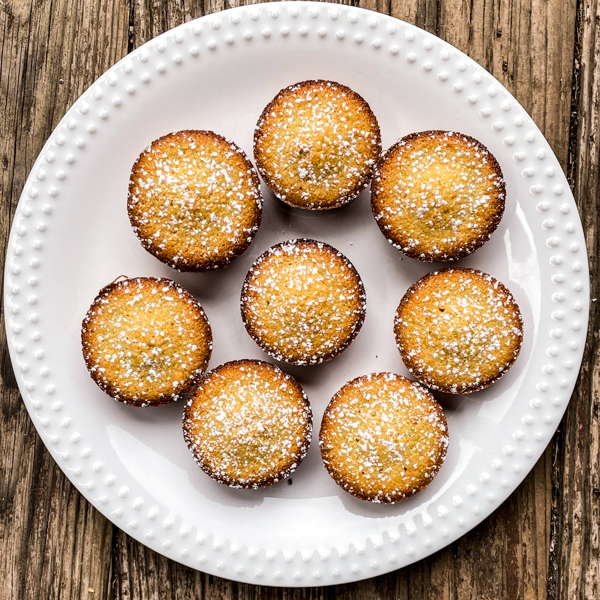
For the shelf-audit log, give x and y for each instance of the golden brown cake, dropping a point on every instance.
(248, 424)
(145, 341)
(458, 330)
(303, 302)
(194, 200)
(316, 143)
(438, 195)
(383, 437)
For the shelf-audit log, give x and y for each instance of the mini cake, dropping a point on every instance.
(194, 200)
(303, 302)
(316, 143)
(145, 341)
(458, 330)
(248, 424)
(383, 437)
(438, 195)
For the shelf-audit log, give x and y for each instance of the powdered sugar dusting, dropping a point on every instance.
(145, 340)
(194, 200)
(248, 424)
(458, 330)
(316, 144)
(438, 195)
(383, 437)
(303, 302)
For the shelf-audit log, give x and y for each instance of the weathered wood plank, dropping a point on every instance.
(54, 544)
(149, 19)
(422, 13)
(576, 568)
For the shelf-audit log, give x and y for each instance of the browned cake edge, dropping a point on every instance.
(166, 256)
(266, 481)
(86, 342)
(350, 487)
(424, 378)
(253, 332)
(258, 131)
(465, 249)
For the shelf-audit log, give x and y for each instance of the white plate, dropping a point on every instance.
(71, 236)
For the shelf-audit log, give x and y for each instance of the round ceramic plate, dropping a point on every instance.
(71, 236)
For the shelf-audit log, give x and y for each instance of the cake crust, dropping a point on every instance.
(145, 341)
(316, 143)
(303, 302)
(383, 438)
(248, 424)
(194, 200)
(438, 195)
(458, 330)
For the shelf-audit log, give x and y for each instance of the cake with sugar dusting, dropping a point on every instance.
(248, 424)
(303, 302)
(458, 330)
(438, 195)
(383, 438)
(145, 341)
(316, 143)
(194, 200)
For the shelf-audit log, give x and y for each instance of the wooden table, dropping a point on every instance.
(544, 542)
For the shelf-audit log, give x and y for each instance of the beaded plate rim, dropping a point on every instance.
(376, 33)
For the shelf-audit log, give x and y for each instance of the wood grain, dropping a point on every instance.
(53, 544)
(576, 516)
